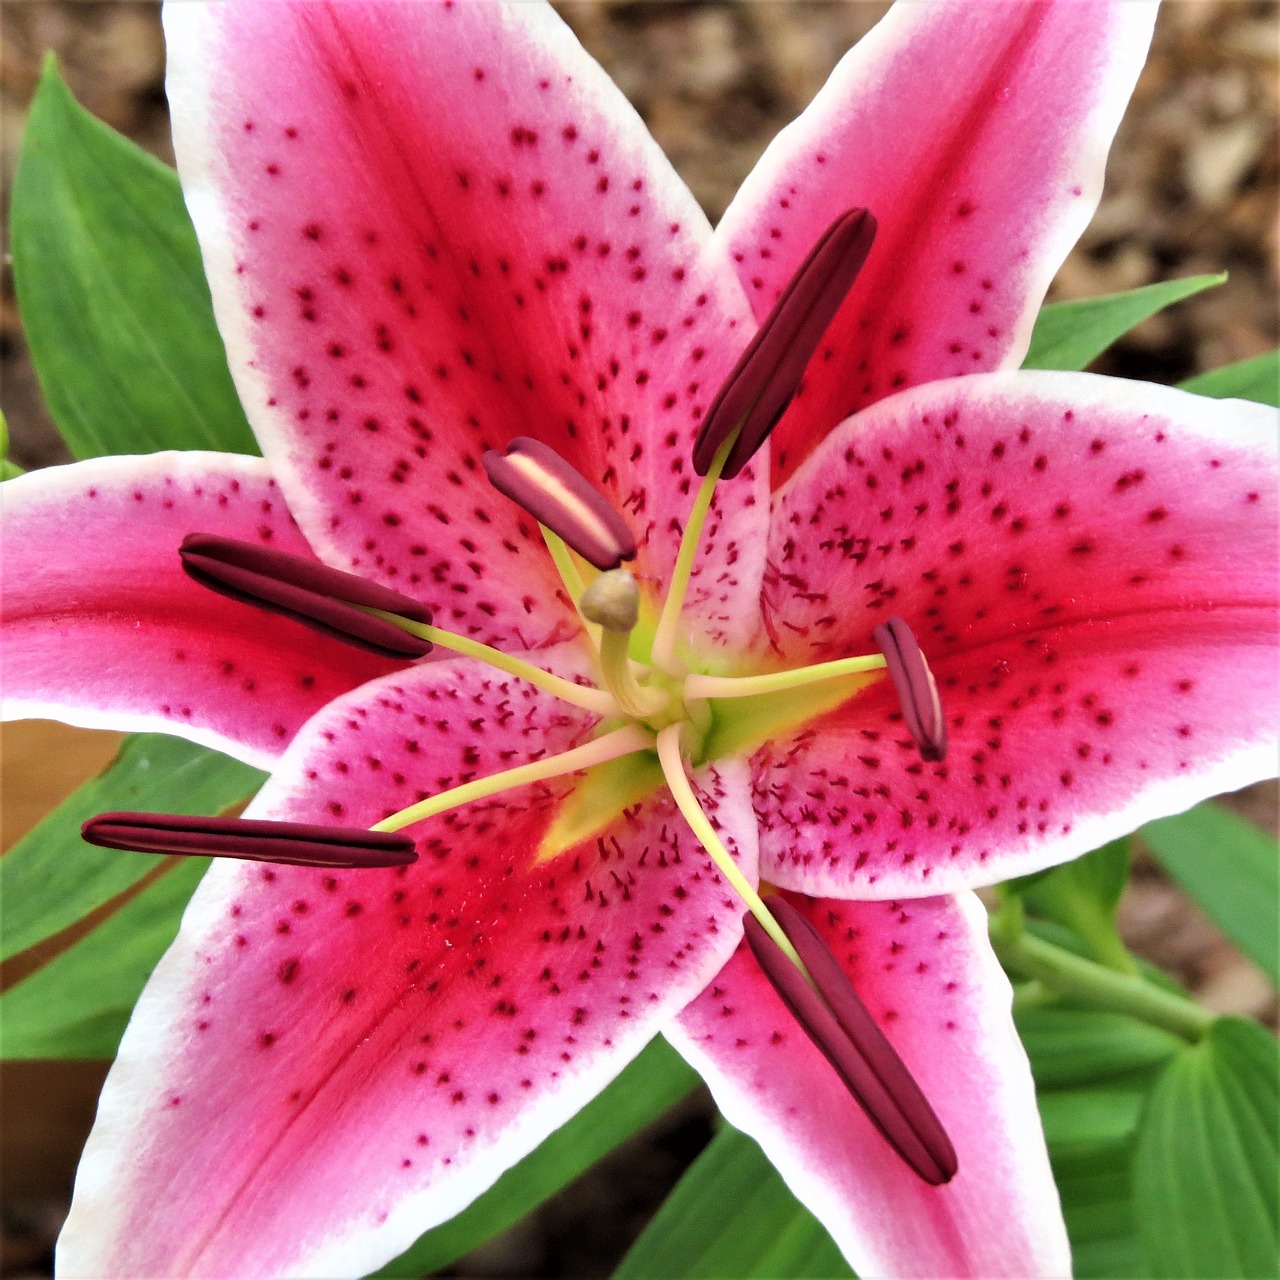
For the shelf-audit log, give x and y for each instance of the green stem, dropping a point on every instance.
(664, 638)
(596, 700)
(1096, 985)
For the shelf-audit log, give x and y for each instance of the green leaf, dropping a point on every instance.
(78, 1004)
(732, 1215)
(1257, 379)
(1207, 1165)
(112, 291)
(1069, 335)
(1082, 895)
(1097, 1205)
(51, 878)
(1074, 1048)
(1232, 869)
(7, 469)
(1091, 1135)
(654, 1082)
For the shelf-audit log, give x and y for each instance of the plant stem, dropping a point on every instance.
(1096, 985)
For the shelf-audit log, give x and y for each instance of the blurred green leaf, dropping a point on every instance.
(653, 1083)
(1082, 896)
(1091, 1135)
(112, 292)
(1074, 1048)
(1257, 379)
(78, 1004)
(7, 469)
(51, 878)
(1207, 1166)
(732, 1215)
(1232, 869)
(1069, 335)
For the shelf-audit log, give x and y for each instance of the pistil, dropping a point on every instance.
(834, 1017)
(299, 844)
(612, 601)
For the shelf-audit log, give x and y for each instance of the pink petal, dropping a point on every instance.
(103, 629)
(1090, 567)
(977, 135)
(324, 1066)
(430, 228)
(928, 975)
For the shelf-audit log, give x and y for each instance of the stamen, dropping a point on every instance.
(700, 686)
(325, 600)
(535, 477)
(584, 696)
(297, 844)
(833, 1016)
(621, 742)
(682, 793)
(917, 690)
(756, 394)
(664, 637)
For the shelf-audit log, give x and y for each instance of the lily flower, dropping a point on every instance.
(434, 228)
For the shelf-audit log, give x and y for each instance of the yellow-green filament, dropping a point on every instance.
(664, 638)
(699, 686)
(588, 699)
(673, 770)
(621, 742)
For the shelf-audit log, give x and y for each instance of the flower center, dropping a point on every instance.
(659, 715)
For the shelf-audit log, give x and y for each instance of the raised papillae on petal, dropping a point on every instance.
(430, 228)
(978, 135)
(318, 597)
(755, 395)
(327, 1063)
(833, 1016)
(925, 971)
(301, 844)
(538, 480)
(1090, 566)
(103, 629)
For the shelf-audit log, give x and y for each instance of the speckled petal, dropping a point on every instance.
(103, 629)
(977, 134)
(430, 228)
(927, 974)
(1090, 567)
(325, 1065)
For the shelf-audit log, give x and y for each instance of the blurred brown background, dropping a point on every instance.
(1192, 187)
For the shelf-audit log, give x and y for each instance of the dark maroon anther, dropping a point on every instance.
(298, 844)
(839, 1024)
(306, 591)
(757, 392)
(917, 691)
(535, 477)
